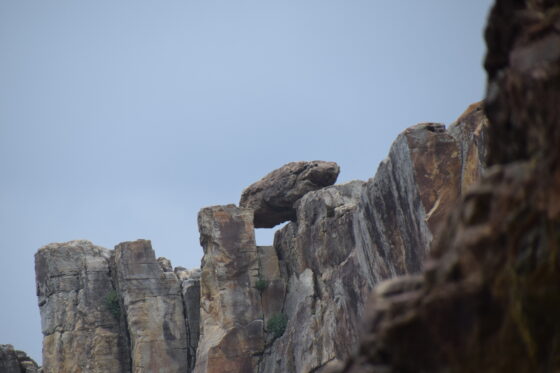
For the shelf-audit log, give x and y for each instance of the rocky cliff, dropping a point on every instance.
(489, 298)
(295, 306)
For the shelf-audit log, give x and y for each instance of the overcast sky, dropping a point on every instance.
(121, 119)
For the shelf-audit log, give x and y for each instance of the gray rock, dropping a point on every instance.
(273, 197)
(231, 318)
(153, 304)
(347, 238)
(16, 361)
(190, 289)
(80, 332)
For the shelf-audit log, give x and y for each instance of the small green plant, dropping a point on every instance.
(112, 303)
(261, 284)
(277, 324)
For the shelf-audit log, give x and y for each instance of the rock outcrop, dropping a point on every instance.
(489, 298)
(295, 306)
(232, 329)
(16, 361)
(347, 238)
(273, 198)
(153, 305)
(115, 311)
(80, 332)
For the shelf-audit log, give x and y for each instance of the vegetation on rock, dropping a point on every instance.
(112, 303)
(277, 324)
(261, 284)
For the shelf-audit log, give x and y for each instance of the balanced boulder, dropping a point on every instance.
(273, 198)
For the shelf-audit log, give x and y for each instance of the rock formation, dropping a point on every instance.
(80, 332)
(231, 319)
(342, 241)
(15, 361)
(115, 311)
(295, 306)
(273, 198)
(483, 298)
(153, 305)
(489, 298)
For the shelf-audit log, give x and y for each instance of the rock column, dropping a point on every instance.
(80, 332)
(154, 310)
(232, 333)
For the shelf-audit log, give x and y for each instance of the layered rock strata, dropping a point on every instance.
(343, 240)
(490, 297)
(347, 238)
(273, 198)
(16, 361)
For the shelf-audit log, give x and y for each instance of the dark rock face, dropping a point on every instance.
(15, 361)
(489, 298)
(273, 197)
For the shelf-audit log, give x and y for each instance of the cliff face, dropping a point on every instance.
(112, 311)
(346, 238)
(295, 306)
(489, 298)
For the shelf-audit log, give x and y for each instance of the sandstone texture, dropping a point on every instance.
(489, 298)
(153, 304)
(295, 306)
(273, 198)
(16, 361)
(80, 333)
(231, 320)
(299, 305)
(115, 311)
(347, 238)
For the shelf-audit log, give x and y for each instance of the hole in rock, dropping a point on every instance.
(265, 236)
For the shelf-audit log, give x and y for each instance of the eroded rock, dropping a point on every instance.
(16, 361)
(489, 298)
(153, 304)
(80, 332)
(347, 238)
(232, 328)
(273, 197)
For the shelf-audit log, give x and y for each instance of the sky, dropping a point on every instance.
(121, 119)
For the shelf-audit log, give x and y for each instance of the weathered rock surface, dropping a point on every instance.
(291, 307)
(115, 311)
(347, 238)
(274, 196)
(80, 333)
(231, 319)
(343, 241)
(190, 288)
(16, 361)
(153, 304)
(489, 299)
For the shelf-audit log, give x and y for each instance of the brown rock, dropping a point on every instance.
(273, 197)
(16, 361)
(153, 304)
(489, 299)
(232, 328)
(80, 333)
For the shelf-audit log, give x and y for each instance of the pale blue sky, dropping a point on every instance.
(121, 119)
